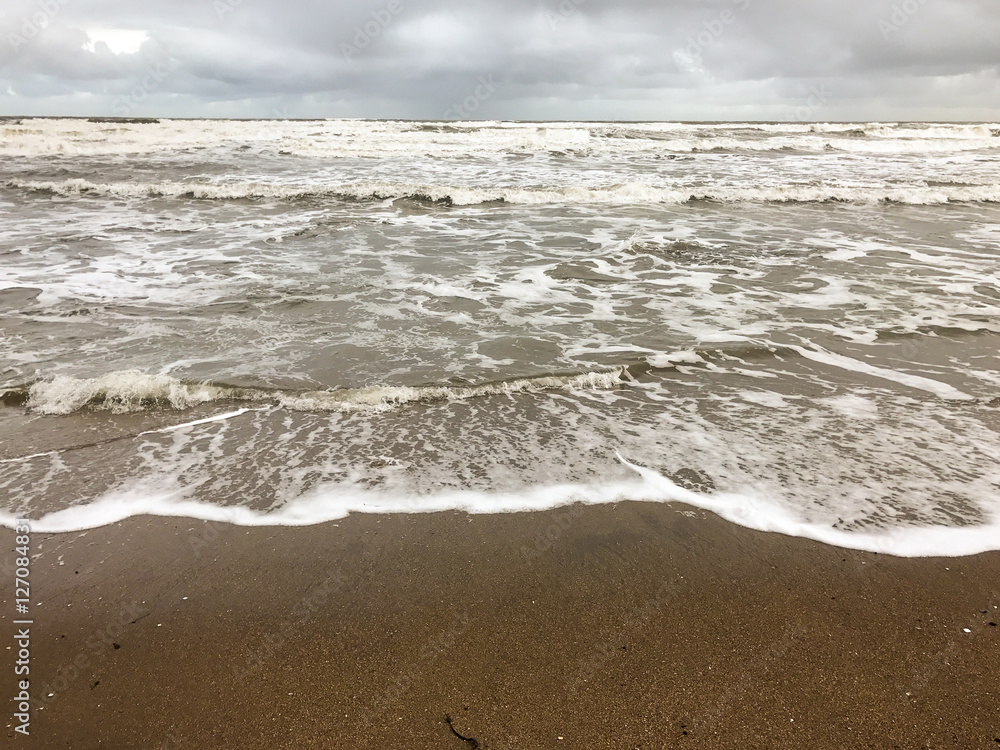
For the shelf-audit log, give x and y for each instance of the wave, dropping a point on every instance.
(972, 131)
(336, 502)
(127, 391)
(451, 195)
(857, 140)
(387, 139)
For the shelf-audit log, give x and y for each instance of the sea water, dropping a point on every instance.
(793, 325)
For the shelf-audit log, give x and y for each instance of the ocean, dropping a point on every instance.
(793, 325)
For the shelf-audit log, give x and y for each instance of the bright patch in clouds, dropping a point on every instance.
(119, 41)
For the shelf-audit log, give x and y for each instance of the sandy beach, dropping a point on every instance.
(634, 625)
(556, 375)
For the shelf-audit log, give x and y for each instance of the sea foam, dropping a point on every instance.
(456, 195)
(132, 390)
(333, 503)
(384, 139)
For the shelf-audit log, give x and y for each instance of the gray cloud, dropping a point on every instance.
(555, 59)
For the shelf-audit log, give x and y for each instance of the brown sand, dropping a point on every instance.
(627, 626)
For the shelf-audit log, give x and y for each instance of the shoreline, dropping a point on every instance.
(747, 512)
(624, 625)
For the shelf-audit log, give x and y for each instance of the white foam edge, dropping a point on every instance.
(206, 420)
(331, 504)
(942, 390)
(628, 193)
(125, 391)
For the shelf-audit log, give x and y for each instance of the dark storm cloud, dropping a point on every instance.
(545, 59)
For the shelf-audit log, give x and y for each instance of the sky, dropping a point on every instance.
(785, 60)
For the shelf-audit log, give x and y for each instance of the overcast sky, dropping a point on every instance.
(516, 59)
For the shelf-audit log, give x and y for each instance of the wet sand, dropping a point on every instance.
(624, 626)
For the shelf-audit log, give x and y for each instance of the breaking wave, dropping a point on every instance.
(131, 391)
(622, 194)
(380, 139)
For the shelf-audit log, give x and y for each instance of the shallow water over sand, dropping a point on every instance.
(796, 326)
